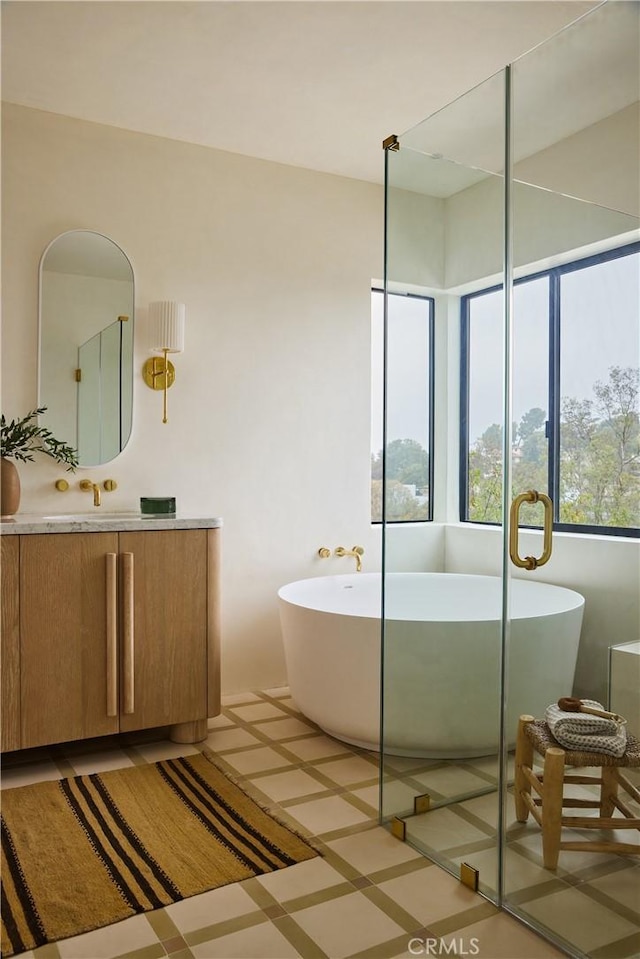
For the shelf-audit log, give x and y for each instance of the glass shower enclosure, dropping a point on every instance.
(516, 210)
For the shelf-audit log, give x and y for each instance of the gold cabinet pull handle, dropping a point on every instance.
(128, 639)
(112, 635)
(530, 562)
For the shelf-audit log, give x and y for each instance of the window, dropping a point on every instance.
(576, 406)
(409, 400)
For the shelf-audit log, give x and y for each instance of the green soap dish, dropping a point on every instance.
(158, 505)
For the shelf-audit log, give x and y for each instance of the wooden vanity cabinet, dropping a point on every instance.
(118, 631)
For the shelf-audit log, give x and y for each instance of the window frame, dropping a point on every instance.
(554, 275)
(429, 395)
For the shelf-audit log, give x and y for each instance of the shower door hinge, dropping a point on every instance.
(399, 828)
(391, 143)
(78, 376)
(421, 804)
(469, 876)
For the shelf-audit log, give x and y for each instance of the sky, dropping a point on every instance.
(599, 311)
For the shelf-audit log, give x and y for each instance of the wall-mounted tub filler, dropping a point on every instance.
(357, 551)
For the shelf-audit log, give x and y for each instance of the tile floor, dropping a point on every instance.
(592, 900)
(370, 896)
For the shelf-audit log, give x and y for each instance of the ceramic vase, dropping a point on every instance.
(10, 488)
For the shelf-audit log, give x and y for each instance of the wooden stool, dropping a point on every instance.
(534, 734)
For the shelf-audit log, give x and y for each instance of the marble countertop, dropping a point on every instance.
(102, 522)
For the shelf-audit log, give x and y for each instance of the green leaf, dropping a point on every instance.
(20, 439)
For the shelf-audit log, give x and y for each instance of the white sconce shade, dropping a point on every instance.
(166, 326)
(166, 322)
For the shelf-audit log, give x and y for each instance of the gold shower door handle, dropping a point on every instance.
(530, 562)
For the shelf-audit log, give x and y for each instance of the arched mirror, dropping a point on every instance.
(85, 372)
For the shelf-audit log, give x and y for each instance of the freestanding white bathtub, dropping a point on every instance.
(441, 657)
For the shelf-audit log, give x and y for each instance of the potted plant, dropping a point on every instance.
(19, 440)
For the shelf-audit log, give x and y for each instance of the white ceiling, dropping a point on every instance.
(312, 83)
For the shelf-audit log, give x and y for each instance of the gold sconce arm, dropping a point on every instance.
(159, 373)
(530, 562)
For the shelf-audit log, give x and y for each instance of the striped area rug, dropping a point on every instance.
(82, 853)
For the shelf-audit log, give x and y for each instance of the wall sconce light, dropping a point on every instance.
(166, 323)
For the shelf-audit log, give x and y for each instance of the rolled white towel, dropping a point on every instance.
(586, 732)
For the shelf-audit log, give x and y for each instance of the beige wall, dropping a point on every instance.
(598, 164)
(581, 191)
(269, 420)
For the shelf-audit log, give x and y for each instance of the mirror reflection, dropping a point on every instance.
(86, 344)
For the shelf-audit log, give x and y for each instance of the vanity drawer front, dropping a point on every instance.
(63, 637)
(170, 607)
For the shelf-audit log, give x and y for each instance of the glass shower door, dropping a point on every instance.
(516, 209)
(576, 341)
(442, 617)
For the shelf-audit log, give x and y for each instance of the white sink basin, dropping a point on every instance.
(96, 516)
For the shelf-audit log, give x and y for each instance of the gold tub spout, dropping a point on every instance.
(357, 551)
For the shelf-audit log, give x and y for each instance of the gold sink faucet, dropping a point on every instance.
(88, 487)
(357, 551)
